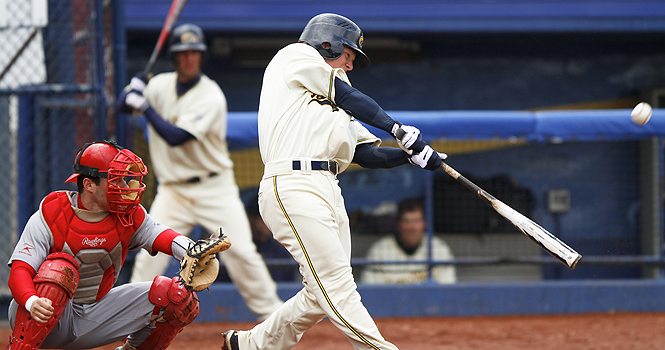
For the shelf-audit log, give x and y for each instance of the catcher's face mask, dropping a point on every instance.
(124, 185)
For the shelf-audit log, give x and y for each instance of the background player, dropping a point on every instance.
(408, 243)
(268, 247)
(307, 135)
(187, 114)
(71, 252)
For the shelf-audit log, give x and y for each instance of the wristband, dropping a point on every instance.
(28, 303)
(396, 127)
(180, 245)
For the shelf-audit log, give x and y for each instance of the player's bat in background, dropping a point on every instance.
(541, 236)
(171, 18)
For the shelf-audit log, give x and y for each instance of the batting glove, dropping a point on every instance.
(136, 100)
(427, 158)
(138, 82)
(412, 141)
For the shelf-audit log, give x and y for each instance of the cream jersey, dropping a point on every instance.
(387, 249)
(202, 112)
(298, 118)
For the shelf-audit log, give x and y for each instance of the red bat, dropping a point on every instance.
(171, 18)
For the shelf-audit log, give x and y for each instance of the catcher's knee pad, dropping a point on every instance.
(57, 280)
(178, 307)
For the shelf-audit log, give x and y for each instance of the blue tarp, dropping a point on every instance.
(543, 126)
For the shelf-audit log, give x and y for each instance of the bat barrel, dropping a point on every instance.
(535, 232)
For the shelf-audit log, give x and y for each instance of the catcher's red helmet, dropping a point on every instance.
(123, 170)
(93, 160)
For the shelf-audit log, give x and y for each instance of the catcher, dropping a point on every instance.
(71, 252)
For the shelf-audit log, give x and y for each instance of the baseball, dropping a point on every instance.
(641, 113)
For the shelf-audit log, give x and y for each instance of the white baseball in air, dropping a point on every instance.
(641, 113)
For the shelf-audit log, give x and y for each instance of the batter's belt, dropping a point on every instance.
(291, 166)
(193, 180)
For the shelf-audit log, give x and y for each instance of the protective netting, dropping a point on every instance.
(585, 193)
(56, 89)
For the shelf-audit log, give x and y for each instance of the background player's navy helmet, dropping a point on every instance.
(187, 37)
(338, 31)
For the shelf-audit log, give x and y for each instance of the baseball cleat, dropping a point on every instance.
(230, 340)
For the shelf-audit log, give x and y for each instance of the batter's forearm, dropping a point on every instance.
(362, 107)
(172, 134)
(379, 157)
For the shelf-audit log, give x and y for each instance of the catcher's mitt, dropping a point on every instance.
(199, 267)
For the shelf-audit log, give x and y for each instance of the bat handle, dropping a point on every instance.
(399, 134)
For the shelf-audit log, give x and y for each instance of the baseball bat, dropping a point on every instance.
(549, 242)
(171, 18)
(531, 229)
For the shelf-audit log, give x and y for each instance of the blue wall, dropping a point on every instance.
(478, 73)
(223, 303)
(412, 16)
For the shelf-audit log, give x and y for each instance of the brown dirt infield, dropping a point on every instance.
(613, 331)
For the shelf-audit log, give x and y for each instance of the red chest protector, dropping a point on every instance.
(99, 247)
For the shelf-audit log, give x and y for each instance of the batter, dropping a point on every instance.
(187, 112)
(307, 135)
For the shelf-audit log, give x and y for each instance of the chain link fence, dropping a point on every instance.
(56, 89)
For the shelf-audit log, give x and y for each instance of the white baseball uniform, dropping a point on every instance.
(387, 249)
(197, 187)
(300, 127)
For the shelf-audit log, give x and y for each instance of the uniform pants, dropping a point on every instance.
(306, 214)
(123, 311)
(213, 203)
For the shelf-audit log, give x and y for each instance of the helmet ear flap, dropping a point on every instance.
(336, 49)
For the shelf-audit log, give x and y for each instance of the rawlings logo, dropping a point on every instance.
(93, 242)
(26, 249)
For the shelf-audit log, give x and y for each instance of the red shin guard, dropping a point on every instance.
(56, 280)
(180, 309)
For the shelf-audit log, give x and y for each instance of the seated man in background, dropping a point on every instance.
(408, 244)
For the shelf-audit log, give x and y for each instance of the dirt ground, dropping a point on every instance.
(608, 331)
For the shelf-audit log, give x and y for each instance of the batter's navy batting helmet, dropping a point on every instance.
(338, 31)
(187, 37)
